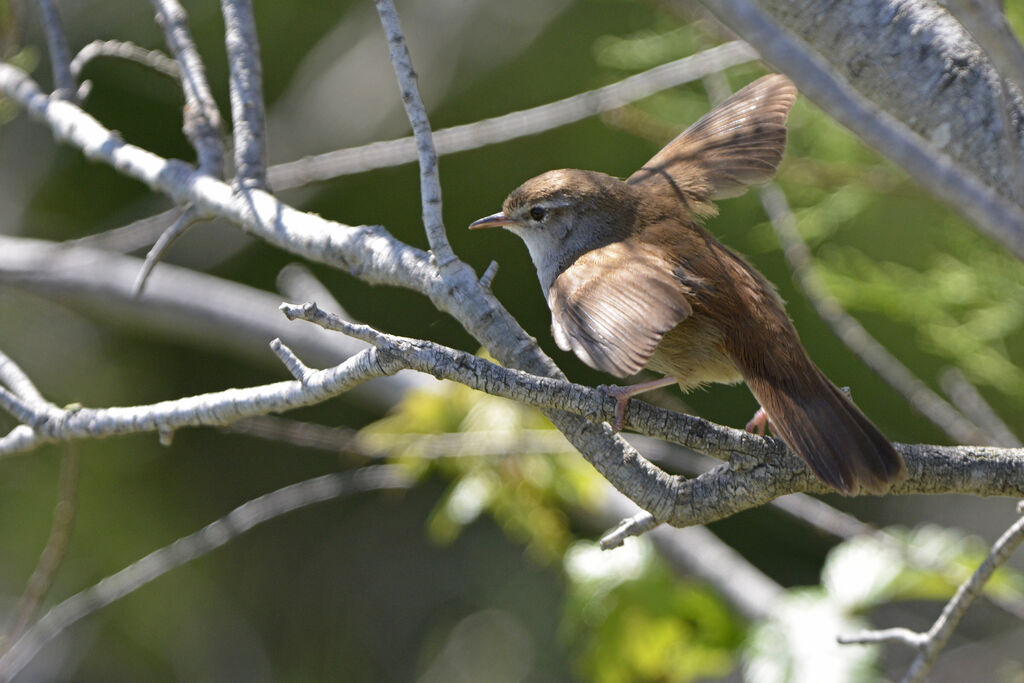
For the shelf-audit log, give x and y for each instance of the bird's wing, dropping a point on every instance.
(613, 305)
(738, 143)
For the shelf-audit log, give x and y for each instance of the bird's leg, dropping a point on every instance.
(623, 394)
(760, 423)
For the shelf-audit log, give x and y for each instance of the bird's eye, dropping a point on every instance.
(537, 213)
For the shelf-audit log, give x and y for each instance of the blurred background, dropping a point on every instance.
(485, 570)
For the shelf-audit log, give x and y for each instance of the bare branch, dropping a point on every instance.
(931, 76)
(963, 191)
(60, 54)
(758, 470)
(888, 635)
(931, 643)
(944, 416)
(15, 379)
(248, 117)
(296, 367)
(636, 525)
(202, 119)
(185, 549)
(185, 221)
(516, 124)
(430, 182)
(184, 306)
(127, 50)
(986, 21)
(488, 277)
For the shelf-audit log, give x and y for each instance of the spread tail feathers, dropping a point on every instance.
(821, 425)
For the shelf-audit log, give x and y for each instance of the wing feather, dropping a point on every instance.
(738, 143)
(614, 304)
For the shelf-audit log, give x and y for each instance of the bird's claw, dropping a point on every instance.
(621, 396)
(759, 424)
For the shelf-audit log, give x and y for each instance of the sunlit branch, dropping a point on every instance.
(248, 115)
(963, 191)
(60, 54)
(430, 182)
(515, 124)
(128, 51)
(202, 122)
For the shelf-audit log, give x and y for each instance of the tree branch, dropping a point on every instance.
(757, 470)
(931, 643)
(248, 117)
(916, 62)
(960, 189)
(516, 124)
(127, 50)
(368, 252)
(202, 123)
(60, 54)
(430, 182)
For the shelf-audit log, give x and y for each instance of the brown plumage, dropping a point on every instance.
(634, 280)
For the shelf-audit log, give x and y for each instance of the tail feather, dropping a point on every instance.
(823, 426)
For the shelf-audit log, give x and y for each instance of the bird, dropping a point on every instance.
(634, 280)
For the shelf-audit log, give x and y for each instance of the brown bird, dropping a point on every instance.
(634, 280)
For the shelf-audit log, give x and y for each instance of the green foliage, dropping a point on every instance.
(626, 616)
(966, 304)
(631, 619)
(490, 465)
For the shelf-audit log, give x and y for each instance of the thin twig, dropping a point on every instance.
(185, 549)
(248, 117)
(60, 54)
(184, 305)
(15, 379)
(131, 236)
(53, 554)
(127, 50)
(931, 643)
(297, 282)
(202, 121)
(185, 221)
(963, 191)
(852, 333)
(430, 182)
(515, 124)
(296, 367)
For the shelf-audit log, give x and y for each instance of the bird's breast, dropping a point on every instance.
(694, 352)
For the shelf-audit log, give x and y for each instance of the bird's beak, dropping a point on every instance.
(496, 220)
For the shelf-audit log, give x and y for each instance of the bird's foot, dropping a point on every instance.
(760, 423)
(621, 396)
